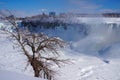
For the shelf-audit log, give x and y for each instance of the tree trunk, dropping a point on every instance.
(35, 67)
(36, 73)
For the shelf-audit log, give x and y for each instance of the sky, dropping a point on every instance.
(32, 7)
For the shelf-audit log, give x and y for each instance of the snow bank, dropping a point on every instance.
(5, 25)
(1, 25)
(7, 75)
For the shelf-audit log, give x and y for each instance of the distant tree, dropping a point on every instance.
(40, 50)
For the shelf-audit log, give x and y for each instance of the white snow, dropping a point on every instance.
(94, 57)
(90, 68)
(7, 75)
(5, 25)
(1, 25)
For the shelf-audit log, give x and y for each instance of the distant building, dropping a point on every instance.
(52, 14)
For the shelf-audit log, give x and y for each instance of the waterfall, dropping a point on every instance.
(103, 39)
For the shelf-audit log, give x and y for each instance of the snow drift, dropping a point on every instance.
(7, 75)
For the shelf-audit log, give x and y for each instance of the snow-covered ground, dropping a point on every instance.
(82, 67)
(7, 75)
(5, 25)
(90, 68)
(93, 57)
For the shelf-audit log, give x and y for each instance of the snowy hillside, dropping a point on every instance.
(82, 67)
(7, 75)
(94, 52)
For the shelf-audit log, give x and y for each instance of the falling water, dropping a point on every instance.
(103, 39)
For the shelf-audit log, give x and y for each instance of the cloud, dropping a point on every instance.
(108, 10)
(42, 10)
(84, 6)
(21, 13)
(90, 6)
(18, 13)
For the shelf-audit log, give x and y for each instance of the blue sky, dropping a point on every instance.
(31, 7)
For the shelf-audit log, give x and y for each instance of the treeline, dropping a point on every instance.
(44, 24)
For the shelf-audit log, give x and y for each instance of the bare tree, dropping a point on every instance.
(41, 51)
